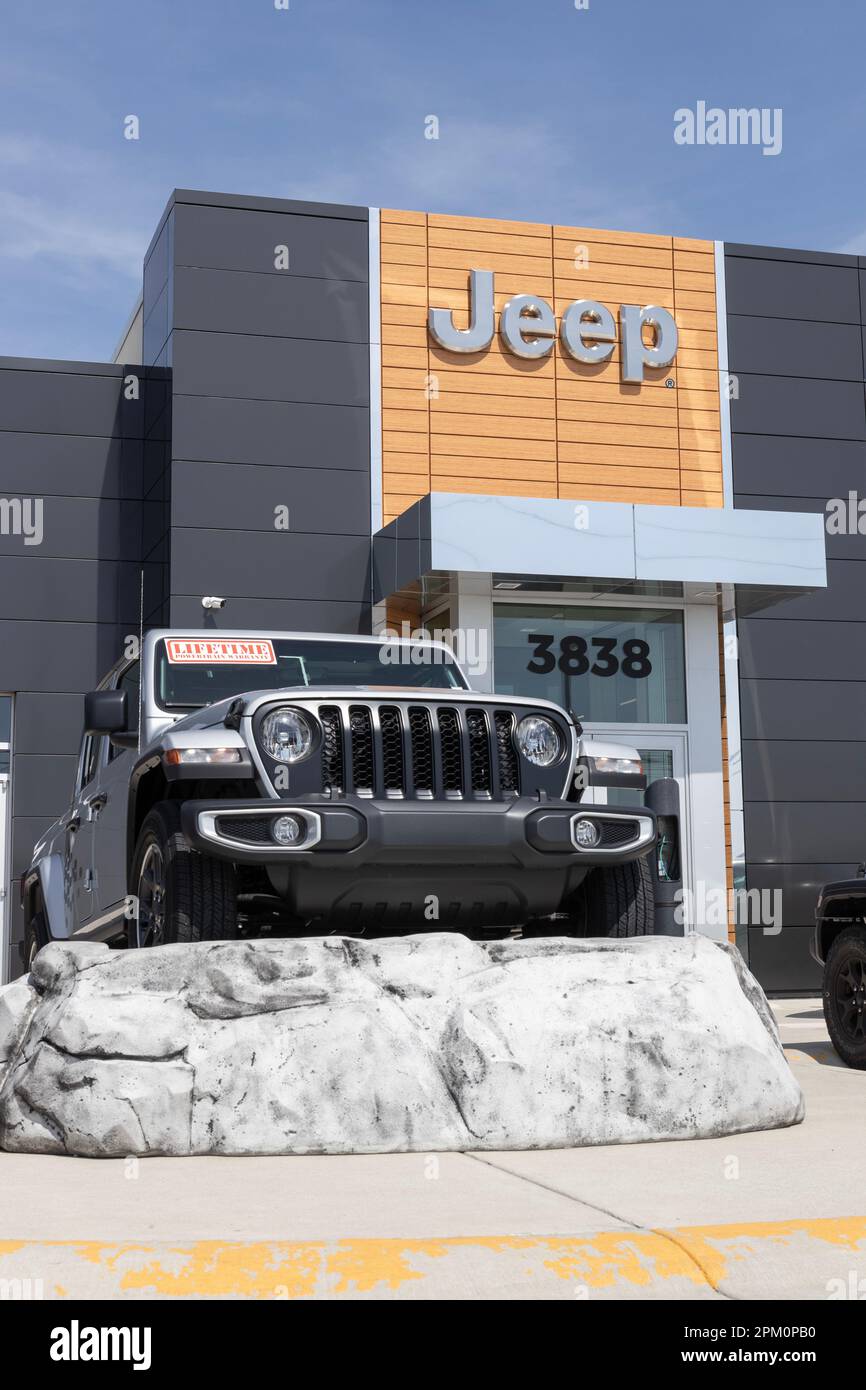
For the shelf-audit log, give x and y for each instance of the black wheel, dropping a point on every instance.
(182, 895)
(35, 938)
(845, 996)
(619, 900)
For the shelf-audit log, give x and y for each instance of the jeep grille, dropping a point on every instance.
(411, 750)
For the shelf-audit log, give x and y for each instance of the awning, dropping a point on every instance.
(536, 536)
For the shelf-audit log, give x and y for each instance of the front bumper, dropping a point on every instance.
(522, 833)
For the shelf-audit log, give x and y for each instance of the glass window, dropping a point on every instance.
(304, 662)
(89, 760)
(606, 665)
(130, 681)
(657, 762)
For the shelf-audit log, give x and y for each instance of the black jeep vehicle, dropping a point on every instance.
(839, 945)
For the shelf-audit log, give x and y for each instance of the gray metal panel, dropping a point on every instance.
(385, 562)
(224, 238)
(289, 306)
(821, 651)
(16, 929)
(844, 599)
(157, 266)
(782, 288)
(270, 432)
(80, 528)
(284, 565)
(156, 470)
(791, 253)
(799, 406)
(781, 830)
(58, 366)
(26, 830)
(269, 614)
(794, 347)
(324, 500)
(782, 963)
(207, 198)
(43, 783)
(157, 326)
(799, 885)
(66, 403)
(737, 547)
(278, 369)
(59, 656)
(48, 723)
(37, 587)
(809, 709)
(414, 541)
(800, 770)
(767, 464)
(41, 465)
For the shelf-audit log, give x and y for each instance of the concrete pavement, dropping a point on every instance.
(769, 1215)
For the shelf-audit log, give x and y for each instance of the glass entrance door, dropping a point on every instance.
(664, 755)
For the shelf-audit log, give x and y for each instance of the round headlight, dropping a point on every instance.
(538, 740)
(286, 736)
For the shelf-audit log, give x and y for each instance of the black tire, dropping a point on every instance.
(620, 901)
(35, 937)
(845, 996)
(183, 896)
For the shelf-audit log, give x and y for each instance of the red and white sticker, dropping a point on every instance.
(218, 651)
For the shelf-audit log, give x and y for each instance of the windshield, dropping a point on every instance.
(192, 672)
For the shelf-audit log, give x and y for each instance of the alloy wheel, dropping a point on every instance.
(151, 898)
(850, 996)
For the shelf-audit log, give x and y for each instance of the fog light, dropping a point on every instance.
(586, 834)
(287, 830)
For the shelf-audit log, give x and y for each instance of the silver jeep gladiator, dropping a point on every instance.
(240, 783)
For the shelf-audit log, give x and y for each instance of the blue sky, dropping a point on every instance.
(545, 112)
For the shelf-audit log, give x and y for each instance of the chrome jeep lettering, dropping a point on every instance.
(527, 326)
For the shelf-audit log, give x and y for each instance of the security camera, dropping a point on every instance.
(211, 601)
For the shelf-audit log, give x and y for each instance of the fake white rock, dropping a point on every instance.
(337, 1045)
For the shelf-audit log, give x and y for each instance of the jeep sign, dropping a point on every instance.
(587, 330)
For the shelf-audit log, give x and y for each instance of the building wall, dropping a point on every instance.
(795, 336)
(493, 422)
(261, 309)
(71, 438)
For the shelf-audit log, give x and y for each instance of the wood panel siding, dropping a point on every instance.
(492, 422)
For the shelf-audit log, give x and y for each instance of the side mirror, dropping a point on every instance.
(105, 713)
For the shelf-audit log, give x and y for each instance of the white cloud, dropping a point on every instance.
(855, 247)
(67, 208)
(521, 171)
(34, 229)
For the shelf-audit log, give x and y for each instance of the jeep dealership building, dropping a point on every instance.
(603, 461)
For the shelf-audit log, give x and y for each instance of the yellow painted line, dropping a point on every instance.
(823, 1053)
(684, 1261)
